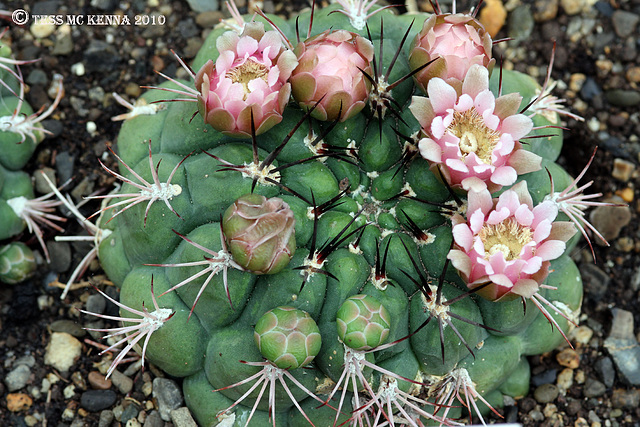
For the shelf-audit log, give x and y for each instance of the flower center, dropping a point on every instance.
(247, 72)
(474, 135)
(507, 237)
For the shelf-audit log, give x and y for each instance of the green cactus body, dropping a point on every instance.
(376, 250)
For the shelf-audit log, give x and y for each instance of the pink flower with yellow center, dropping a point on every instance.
(508, 242)
(457, 41)
(330, 74)
(250, 76)
(472, 135)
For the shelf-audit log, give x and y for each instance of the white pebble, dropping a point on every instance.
(92, 128)
(62, 351)
(78, 69)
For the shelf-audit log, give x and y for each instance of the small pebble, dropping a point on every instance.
(62, 351)
(17, 378)
(568, 358)
(593, 388)
(153, 420)
(122, 382)
(623, 169)
(626, 194)
(17, 402)
(625, 399)
(42, 30)
(78, 69)
(582, 334)
(545, 10)
(98, 381)
(168, 395)
(493, 16)
(181, 417)
(624, 22)
(633, 75)
(208, 20)
(572, 7)
(565, 379)
(106, 418)
(610, 220)
(97, 400)
(68, 326)
(581, 422)
(546, 393)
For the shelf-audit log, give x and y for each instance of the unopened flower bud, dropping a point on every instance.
(330, 74)
(363, 322)
(17, 263)
(260, 233)
(287, 337)
(456, 42)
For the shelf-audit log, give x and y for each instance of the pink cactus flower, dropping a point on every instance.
(471, 135)
(457, 41)
(330, 74)
(249, 78)
(508, 242)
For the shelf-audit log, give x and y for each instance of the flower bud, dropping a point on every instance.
(363, 322)
(457, 41)
(250, 74)
(17, 263)
(260, 233)
(287, 337)
(330, 74)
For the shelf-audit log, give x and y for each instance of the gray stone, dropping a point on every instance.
(106, 5)
(106, 418)
(520, 23)
(17, 378)
(153, 420)
(209, 19)
(626, 356)
(623, 97)
(100, 56)
(546, 377)
(610, 220)
(68, 326)
(37, 77)
(63, 45)
(168, 395)
(129, 412)
(621, 324)
(97, 400)
(595, 281)
(203, 5)
(546, 393)
(181, 417)
(604, 368)
(60, 254)
(593, 388)
(39, 182)
(27, 360)
(96, 303)
(590, 89)
(64, 165)
(122, 382)
(624, 23)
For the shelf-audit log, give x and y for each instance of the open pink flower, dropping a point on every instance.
(457, 40)
(508, 242)
(250, 75)
(472, 134)
(330, 74)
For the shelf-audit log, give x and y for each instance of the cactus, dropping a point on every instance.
(385, 224)
(20, 133)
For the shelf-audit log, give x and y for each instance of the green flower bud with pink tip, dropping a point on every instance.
(287, 337)
(363, 322)
(260, 233)
(17, 263)
(456, 41)
(330, 74)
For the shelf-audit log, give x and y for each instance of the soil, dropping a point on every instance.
(29, 311)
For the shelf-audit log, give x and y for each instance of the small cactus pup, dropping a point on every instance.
(260, 233)
(289, 339)
(20, 209)
(17, 263)
(339, 201)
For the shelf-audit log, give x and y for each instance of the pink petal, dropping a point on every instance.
(551, 249)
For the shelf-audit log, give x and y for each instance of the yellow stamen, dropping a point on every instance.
(474, 135)
(507, 237)
(246, 73)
